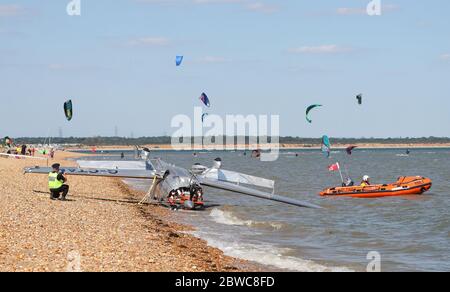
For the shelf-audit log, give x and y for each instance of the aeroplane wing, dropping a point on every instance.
(121, 173)
(254, 193)
(135, 165)
(239, 178)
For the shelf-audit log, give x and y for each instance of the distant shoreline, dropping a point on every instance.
(168, 147)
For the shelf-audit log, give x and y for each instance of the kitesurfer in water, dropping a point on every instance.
(366, 181)
(56, 183)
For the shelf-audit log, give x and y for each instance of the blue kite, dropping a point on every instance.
(179, 60)
(204, 98)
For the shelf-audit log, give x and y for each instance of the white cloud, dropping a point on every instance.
(212, 59)
(363, 10)
(445, 57)
(323, 49)
(351, 11)
(217, 1)
(261, 7)
(150, 41)
(10, 10)
(56, 67)
(250, 5)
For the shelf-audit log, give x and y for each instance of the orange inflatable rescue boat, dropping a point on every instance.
(406, 185)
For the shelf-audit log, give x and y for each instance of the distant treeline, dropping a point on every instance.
(164, 140)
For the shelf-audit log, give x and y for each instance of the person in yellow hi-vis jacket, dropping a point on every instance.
(366, 181)
(56, 184)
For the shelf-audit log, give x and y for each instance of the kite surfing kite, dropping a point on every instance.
(350, 149)
(8, 142)
(326, 146)
(311, 107)
(179, 60)
(68, 110)
(359, 97)
(204, 117)
(204, 98)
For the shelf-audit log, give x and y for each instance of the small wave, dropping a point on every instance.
(269, 255)
(227, 218)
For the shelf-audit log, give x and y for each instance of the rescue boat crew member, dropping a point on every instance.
(56, 184)
(366, 181)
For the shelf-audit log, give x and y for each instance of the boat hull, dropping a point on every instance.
(405, 186)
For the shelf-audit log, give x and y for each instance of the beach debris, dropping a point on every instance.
(204, 98)
(308, 109)
(68, 111)
(179, 60)
(326, 146)
(350, 149)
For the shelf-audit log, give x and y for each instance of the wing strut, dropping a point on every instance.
(255, 193)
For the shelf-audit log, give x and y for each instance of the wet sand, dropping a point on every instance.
(101, 228)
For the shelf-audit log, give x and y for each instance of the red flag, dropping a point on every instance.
(334, 167)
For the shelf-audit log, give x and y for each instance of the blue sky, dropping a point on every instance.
(116, 62)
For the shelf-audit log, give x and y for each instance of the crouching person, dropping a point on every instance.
(56, 184)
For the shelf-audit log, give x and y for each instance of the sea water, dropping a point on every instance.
(410, 233)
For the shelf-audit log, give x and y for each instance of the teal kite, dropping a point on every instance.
(68, 110)
(311, 107)
(326, 146)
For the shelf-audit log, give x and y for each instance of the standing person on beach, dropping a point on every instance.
(23, 150)
(56, 184)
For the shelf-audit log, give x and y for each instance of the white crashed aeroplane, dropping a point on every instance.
(177, 186)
